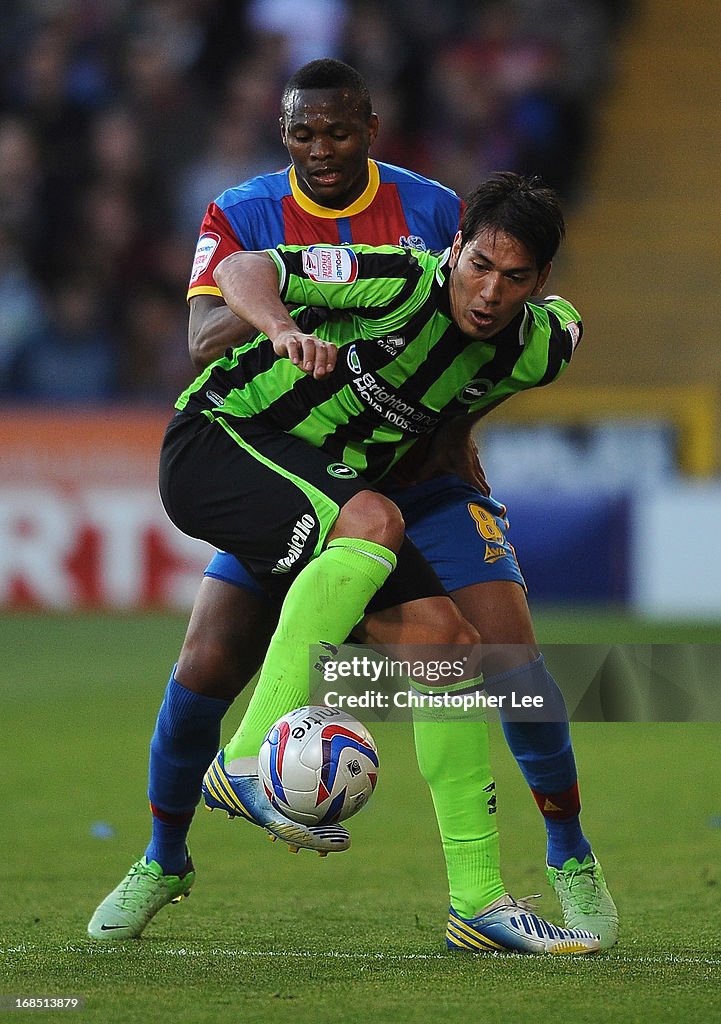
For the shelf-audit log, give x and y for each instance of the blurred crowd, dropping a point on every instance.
(121, 120)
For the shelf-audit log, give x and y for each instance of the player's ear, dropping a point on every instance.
(456, 249)
(542, 278)
(373, 124)
(281, 125)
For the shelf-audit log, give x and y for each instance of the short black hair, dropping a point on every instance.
(328, 73)
(522, 207)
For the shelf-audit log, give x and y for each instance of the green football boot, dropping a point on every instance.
(585, 899)
(133, 903)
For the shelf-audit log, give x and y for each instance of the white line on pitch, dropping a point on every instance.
(260, 954)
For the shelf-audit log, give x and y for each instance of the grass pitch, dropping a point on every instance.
(270, 937)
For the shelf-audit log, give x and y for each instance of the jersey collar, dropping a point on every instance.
(361, 203)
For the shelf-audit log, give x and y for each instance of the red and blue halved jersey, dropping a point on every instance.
(397, 207)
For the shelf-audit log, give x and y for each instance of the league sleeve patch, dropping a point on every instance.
(330, 264)
(207, 244)
(575, 331)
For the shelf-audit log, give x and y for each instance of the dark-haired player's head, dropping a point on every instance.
(328, 126)
(522, 207)
(328, 73)
(501, 257)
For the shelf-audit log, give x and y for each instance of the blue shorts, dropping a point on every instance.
(458, 530)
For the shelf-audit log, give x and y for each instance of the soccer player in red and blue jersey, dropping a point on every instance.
(332, 192)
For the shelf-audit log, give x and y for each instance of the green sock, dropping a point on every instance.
(324, 603)
(453, 759)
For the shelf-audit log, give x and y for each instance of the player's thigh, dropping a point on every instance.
(499, 612)
(268, 498)
(228, 569)
(492, 617)
(461, 533)
(428, 621)
(412, 607)
(226, 640)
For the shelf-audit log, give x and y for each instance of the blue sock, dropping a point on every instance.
(565, 840)
(544, 753)
(185, 741)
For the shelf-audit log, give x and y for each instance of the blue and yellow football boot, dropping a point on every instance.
(240, 794)
(508, 926)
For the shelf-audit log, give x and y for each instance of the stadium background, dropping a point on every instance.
(120, 121)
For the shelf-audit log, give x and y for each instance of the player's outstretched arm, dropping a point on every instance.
(213, 328)
(249, 284)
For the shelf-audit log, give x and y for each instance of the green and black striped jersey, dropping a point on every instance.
(403, 366)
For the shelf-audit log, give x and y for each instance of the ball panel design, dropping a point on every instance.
(318, 765)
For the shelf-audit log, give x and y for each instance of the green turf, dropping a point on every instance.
(271, 937)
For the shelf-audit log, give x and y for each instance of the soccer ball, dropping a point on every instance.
(318, 765)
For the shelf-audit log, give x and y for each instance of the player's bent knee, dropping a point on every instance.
(226, 639)
(373, 517)
(457, 630)
(209, 668)
(444, 624)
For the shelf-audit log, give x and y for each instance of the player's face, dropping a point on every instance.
(328, 141)
(491, 278)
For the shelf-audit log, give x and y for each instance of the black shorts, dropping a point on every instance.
(270, 499)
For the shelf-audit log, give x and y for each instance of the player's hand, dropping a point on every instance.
(308, 353)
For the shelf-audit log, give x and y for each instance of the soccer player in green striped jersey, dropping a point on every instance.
(402, 362)
(427, 338)
(276, 447)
